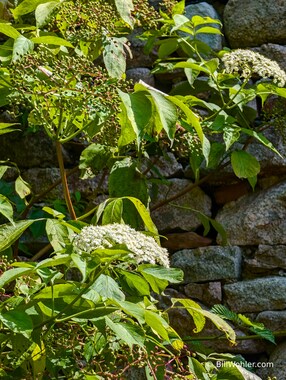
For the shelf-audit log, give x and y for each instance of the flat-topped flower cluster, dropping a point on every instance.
(143, 248)
(247, 62)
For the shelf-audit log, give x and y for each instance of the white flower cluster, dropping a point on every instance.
(247, 62)
(142, 248)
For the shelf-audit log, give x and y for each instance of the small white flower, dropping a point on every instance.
(143, 247)
(247, 62)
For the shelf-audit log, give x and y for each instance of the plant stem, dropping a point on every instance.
(281, 333)
(64, 181)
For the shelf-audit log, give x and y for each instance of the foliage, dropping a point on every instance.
(91, 312)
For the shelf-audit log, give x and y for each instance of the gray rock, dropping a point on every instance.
(209, 293)
(165, 166)
(140, 73)
(42, 179)
(259, 218)
(277, 364)
(275, 52)
(138, 58)
(274, 255)
(32, 150)
(208, 263)
(253, 23)
(204, 9)
(169, 217)
(257, 295)
(270, 162)
(273, 320)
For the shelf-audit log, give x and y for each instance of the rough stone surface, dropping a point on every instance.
(268, 260)
(169, 217)
(166, 166)
(140, 73)
(257, 295)
(273, 320)
(274, 255)
(208, 263)
(29, 151)
(253, 23)
(270, 163)
(204, 9)
(41, 179)
(138, 59)
(275, 52)
(259, 218)
(278, 358)
(209, 293)
(184, 240)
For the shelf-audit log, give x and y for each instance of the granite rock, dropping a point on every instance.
(208, 263)
(169, 217)
(253, 23)
(259, 218)
(256, 295)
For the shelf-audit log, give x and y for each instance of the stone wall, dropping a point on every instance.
(248, 274)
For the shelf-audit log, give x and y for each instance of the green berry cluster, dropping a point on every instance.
(65, 94)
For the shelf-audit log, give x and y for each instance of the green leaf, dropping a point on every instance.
(244, 164)
(12, 274)
(126, 180)
(172, 275)
(22, 46)
(54, 261)
(179, 8)
(93, 159)
(262, 139)
(135, 116)
(199, 20)
(113, 212)
(18, 322)
(5, 127)
(230, 136)
(22, 187)
(108, 288)
(6, 208)
(56, 214)
(197, 368)
(51, 40)
(164, 114)
(133, 309)
(180, 22)
(57, 291)
(9, 30)
(114, 56)
(194, 121)
(134, 284)
(191, 65)
(167, 47)
(192, 306)
(157, 323)
(209, 30)
(229, 371)
(194, 310)
(3, 169)
(57, 234)
(26, 6)
(145, 216)
(10, 233)
(124, 8)
(44, 11)
(126, 332)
